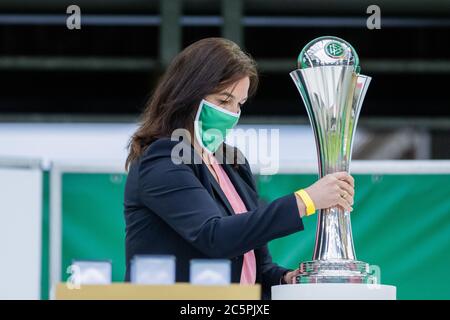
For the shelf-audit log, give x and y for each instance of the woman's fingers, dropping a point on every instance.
(342, 175)
(345, 186)
(290, 276)
(347, 192)
(328, 191)
(344, 204)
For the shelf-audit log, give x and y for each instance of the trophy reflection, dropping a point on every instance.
(333, 91)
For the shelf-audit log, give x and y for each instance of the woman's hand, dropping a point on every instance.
(335, 189)
(289, 277)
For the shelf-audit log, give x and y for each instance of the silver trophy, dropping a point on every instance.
(333, 91)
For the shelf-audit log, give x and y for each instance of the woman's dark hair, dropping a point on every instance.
(203, 68)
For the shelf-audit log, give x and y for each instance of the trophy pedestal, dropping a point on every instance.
(334, 291)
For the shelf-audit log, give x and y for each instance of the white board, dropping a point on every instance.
(20, 233)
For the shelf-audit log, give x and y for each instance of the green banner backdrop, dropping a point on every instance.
(401, 223)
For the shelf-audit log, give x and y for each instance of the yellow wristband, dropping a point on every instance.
(310, 208)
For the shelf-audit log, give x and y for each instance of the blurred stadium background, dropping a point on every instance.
(70, 100)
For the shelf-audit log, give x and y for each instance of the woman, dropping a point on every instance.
(203, 209)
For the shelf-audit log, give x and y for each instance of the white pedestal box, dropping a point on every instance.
(334, 291)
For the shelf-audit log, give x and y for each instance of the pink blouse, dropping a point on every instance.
(248, 274)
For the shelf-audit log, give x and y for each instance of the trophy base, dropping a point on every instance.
(335, 271)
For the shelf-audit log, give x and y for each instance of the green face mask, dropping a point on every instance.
(212, 124)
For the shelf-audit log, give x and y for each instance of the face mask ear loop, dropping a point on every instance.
(197, 124)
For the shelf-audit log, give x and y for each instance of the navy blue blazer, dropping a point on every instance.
(180, 209)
